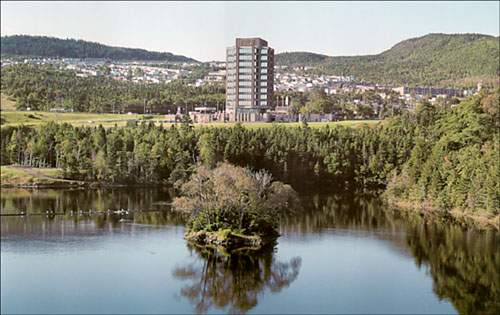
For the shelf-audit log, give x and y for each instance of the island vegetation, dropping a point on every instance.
(232, 207)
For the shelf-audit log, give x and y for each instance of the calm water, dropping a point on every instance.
(338, 255)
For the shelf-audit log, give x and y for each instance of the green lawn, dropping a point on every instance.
(14, 176)
(78, 119)
(35, 118)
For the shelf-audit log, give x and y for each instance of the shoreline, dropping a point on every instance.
(479, 221)
(90, 185)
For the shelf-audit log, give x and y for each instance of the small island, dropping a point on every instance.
(233, 208)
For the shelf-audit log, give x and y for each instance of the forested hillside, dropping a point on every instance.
(434, 59)
(24, 45)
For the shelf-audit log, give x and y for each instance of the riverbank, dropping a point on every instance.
(479, 220)
(28, 177)
(17, 176)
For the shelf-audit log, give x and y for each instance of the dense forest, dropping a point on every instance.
(42, 46)
(145, 153)
(444, 156)
(434, 59)
(454, 163)
(44, 87)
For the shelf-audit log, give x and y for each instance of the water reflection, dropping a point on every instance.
(64, 200)
(463, 264)
(234, 281)
(341, 211)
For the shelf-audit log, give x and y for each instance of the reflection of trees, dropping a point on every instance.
(234, 280)
(464, 265)
(346, 211)
(101, 199)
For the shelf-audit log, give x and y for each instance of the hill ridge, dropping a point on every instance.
(49, 46)
(432, 59)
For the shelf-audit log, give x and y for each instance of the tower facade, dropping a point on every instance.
(249, 79)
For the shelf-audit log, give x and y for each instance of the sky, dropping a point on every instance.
(202, 30)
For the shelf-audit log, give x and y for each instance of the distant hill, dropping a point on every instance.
(42, 46)
(434, 59)
(300, 58)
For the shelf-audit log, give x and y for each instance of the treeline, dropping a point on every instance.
(454, 164)
(45, 87)
(43, 46)
(146, 153)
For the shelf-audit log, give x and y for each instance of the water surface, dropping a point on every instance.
(340, 254)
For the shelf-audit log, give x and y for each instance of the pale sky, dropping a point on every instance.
(202, 30)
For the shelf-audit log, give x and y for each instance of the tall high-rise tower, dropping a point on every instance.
(250, 79)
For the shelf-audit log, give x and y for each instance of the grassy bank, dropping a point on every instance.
(17, 176)
(478, 219)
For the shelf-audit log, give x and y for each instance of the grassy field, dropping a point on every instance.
(19, 176)
(11, 117)
(15, 118)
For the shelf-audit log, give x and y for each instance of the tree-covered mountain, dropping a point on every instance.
(434, 59)
(300, 58)
(25, 45)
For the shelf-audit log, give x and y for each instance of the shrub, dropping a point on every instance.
(235, 198)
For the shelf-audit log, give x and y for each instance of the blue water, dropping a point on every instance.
(62, 265)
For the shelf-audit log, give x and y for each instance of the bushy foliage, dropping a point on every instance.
(235, 198)
(25, 45)
(455, 161)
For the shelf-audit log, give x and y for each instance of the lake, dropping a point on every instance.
(339, 254)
